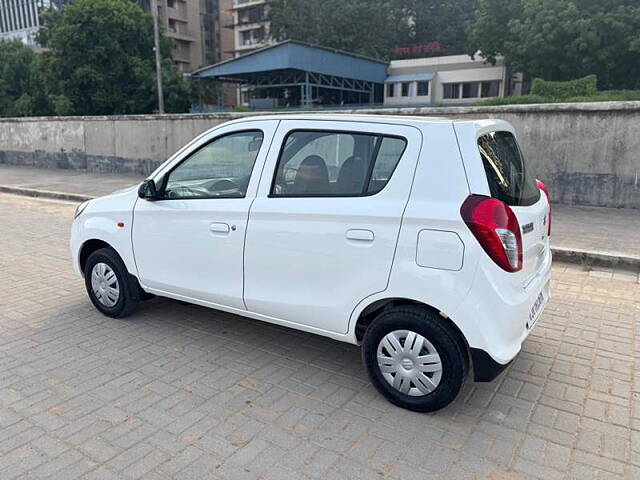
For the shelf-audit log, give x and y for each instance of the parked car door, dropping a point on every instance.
(191, 242)
(324, 225)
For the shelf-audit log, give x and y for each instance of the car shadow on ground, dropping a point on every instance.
(316, 368)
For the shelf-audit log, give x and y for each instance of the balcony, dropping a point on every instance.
(178, 12)
(237, 4)
(181, 34)
(181, 56)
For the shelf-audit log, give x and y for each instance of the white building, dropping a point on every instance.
(19, 20)
(453, 79)
(250, 28)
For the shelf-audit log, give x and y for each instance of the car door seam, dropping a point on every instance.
(255, 196)
(133, 250)
(395, 248)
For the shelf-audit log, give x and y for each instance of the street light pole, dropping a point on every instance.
(156, 42)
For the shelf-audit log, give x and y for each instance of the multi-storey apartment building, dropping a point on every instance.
(250, 27)
(19, 19)
(194, 27)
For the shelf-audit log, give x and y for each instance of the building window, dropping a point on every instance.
(406, 87)
(470, 90)
(252, 37)
(423, 89)
(391, 89)
(490, 89)
(251, 15)
(450, 90)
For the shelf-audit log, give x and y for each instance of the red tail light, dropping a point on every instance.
(496, 228)
(543, 187)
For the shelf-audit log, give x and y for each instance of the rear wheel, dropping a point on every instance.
(110, 287)
(414, 358)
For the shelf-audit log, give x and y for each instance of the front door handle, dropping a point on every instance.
(217, 227)
(360, 235)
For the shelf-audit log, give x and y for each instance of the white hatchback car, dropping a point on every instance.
(424, 240)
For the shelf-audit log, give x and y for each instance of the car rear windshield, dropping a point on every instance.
(510, 179)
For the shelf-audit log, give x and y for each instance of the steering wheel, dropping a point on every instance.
(182, 192)
(221, 185)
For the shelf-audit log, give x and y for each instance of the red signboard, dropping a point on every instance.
(419, 50)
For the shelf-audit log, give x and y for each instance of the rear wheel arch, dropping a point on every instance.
(370, 312)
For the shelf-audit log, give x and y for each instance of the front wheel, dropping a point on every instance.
(110, 287)
(415, 359)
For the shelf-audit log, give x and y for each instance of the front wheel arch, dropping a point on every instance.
(88, 248)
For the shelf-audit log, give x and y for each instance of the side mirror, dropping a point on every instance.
(147, 190)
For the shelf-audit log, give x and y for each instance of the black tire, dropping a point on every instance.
(129, 290)
(443, 337)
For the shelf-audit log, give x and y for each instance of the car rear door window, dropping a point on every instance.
(510, 178)
(335, 164)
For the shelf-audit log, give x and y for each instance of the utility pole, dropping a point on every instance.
(156, 42)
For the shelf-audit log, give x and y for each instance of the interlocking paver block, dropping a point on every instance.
(179, 391)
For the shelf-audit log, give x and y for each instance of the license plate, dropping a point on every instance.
(536, 310)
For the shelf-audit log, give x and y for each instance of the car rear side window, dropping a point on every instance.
(510, 178)
(316, 163)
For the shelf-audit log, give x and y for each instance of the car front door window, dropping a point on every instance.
(220, 169)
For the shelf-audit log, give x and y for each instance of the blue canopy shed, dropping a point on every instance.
(298, 73)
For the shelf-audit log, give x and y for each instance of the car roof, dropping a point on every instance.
(370, 118)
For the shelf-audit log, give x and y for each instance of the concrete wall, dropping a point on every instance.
(587, 154)
(131, 144)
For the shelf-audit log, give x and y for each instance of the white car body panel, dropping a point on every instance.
(100, 221)
(195, 247)
(307, 259)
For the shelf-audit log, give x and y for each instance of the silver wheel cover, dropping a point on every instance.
(104, 284)
(409, 363)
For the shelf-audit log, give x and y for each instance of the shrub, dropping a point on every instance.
(61, 105)
(580, 87)
(606, 96)
(516, 99)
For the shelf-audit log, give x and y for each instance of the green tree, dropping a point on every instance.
(366, 27)
(442, 21)
(373, 27)
(21, 91)
(563, 39)
(100, 61)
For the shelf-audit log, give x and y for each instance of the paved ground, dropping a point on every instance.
(612, 231)
(179, 391)
(65, 180)
(601, 230)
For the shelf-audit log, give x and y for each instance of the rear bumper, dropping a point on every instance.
(495, 316)
(485, 368)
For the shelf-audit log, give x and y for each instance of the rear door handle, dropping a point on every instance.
(360, 235)
(217, 227)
